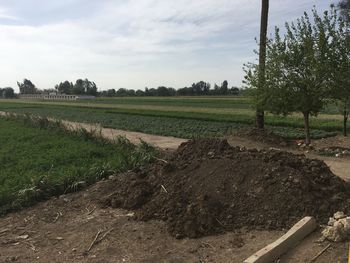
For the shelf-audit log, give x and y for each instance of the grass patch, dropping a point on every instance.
(40, 158)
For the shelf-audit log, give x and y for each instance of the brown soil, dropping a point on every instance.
(263, 136)
(62, 229)
(209, 187)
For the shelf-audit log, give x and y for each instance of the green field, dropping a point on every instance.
(40, 158)
(184, 117)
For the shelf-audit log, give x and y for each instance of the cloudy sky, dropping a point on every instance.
(134, 43)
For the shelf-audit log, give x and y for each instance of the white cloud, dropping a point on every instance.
(5, 14)
(136, 43)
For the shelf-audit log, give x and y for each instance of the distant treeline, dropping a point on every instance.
(87, 87)
(200, 88)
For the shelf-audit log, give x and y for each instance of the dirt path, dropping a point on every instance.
(163, 142)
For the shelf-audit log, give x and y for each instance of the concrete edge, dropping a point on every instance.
(274, 250)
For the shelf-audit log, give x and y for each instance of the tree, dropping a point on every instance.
(339, 30)
(122, 92)
(262, 58)
(234, 91)
(162, 91)
(140, 93)
(65, 87)
(344, 6)
(7, 93)
(27, 87)
(200, 88)
(78, 87)
(111, 93)
(224, 88)
(90, 87)
(297, 71)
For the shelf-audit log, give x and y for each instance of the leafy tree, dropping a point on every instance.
(65, 87)
(122, 92)
(234, 91)
(297, 74)
(27, 87)
(186, 91)
(7, 93)
(339, 30)
(344, 6)
(111, 92)
(200, 88)
(84, 87)
(130, 92)
(78, 87)
(140, 93)
(297, 70)
(224, 88)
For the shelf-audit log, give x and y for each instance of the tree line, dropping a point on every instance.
(200, 88)
(87, 87)
(81, 87)
(306, 68)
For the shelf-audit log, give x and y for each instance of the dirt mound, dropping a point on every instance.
(209, 187)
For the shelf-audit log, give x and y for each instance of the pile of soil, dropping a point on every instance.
(208, 187)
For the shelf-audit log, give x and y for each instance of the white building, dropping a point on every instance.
(53, 96)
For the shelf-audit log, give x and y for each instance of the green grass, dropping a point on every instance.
(166, 116)
(40, 159)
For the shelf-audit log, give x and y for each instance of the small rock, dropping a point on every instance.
(339, 215)
(211, 154)
(331, 221)
(112, 177)
(296, 181)
(23, 237)
(346, 223)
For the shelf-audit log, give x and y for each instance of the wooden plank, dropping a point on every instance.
(273, 251)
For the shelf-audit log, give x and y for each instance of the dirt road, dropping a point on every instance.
(163, 142)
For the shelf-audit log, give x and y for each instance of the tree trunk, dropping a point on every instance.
(346, 115)
(307, 128)
(262, 61)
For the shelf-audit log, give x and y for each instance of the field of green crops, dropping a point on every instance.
(40, 159)
(184, 117)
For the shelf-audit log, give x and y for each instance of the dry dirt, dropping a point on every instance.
(62, 229)
(339, 166)
(208, 187)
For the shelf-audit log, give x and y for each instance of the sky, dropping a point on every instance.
(134, 44)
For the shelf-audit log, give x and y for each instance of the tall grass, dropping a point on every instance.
(41, 158)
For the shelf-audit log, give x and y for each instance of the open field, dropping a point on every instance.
(40, 159)
(184, 117)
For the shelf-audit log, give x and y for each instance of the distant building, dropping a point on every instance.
(53, 96)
